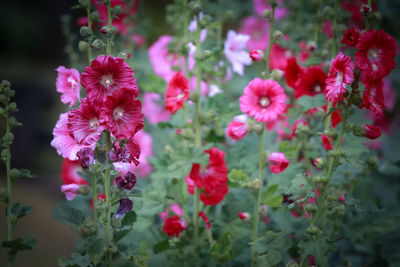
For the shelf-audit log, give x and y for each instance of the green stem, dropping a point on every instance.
(94, 199)
(9, 192)
(196, 222)
(271, 30)
(89, 50)
(316, 32)
(107, 187)
(109, 24)
(219, 36)
(334, 32)
(258, 201)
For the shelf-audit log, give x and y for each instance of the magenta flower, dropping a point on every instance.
(260, 5)
(68, 85)
(123, 113)
(277, 162)
(153, 108)
(265, 100)
(70, 191)
(235, 51)
(258, 30)
(236, 130)
(106, 75)
(256, 55)
(339, 76)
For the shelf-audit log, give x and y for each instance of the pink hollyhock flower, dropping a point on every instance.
(177, 92)
(105, 75)
(193, 27)
(375, 55)
(123, 113)
(211, 180)
(146, 149)
(260, 5)
(258, 30)
(350, 37)
(373, 97)
(265, 100)
(174, 226)
(256, 55)
(277, 162)
(336, 118)
(326, 142)
(371, 132)
(68, 85)
(69, 172)
(235, 51)
(86, 123)
(175, 208)
(153, 108)
(70, 191)
(193, 86)
(311, 82)
(244, 216)
(82, 21)
(120, 21)
(236, 130)
(205, 219)
(292, 71)
(340, 75)
(279, 57)
(64, 141)
(163, 61)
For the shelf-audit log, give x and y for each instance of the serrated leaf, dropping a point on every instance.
(20, 173)
(221, 251)
(289, 149)
(16, 245)
(274, 201)
(68, 215)
(95, 248)
(129, 219)
(238, 178)
(20, 211)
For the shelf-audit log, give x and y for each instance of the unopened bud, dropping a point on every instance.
(337, 153)
(255, 184)
(244, 216)
(117, 10)
(263, 209)
(276, 74)
(98, 44)
(277, 36)
(94, 16)
(85, 31)
(312, 230)
(266, 13)
(366, 10)
(320, 163)
(83, 46)
(320, 179)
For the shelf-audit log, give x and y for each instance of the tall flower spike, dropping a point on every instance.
(105, 75)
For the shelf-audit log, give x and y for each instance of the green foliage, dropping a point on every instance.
(76, 260)
(221, 251)
(16, 245)
(66, 214)
(308, 102)
(271, 247)
(238, 178)
(269, 198)
(20, 211)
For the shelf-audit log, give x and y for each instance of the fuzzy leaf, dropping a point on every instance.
(68, 215)
(20, 211)
(238, 178)
(76, 260)
(16, 245)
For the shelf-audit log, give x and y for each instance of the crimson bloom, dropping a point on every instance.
(336, 118)
(265, 100)
(174, 226)
(292, 71)
(311, 81)
(373, 97)
(277, 162)
(350, 37)
(123, 113)
(211, 180)
(375, 55)
(326, 142)
(86, 123)
(340, 75)
(371, 132)
(105, 75)
(177, 92)
(205, 219)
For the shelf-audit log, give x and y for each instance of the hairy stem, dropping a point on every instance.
(89, 49)
(9, 191)
(271, 31)
(107, 187)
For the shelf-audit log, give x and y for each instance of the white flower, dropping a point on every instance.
(235, 51)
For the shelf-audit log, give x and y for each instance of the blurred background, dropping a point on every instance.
(32, 46)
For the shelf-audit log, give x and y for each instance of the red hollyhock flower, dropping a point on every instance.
(205, 219)
(340, 75)
(174, 226)
(278, 57)
(371, 132)
(177, 92)
(326, 142)
(373, 97)
(86, 123)
(277, 162)
(69, 172)
(350, 37)
(311, 82)
(244, 216)
(265, 100)
(105, 75)
(292, 71)
(256, 55)
(236, 130)
(123, 113)
(336, 118)
(375, 55)
(211, 180)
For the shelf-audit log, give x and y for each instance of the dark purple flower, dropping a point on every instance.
(125, 205)
(126, 181)
(120, 154)
(86, 157)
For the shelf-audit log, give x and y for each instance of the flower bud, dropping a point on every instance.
(229, 14)
(276, 74)
(244, 216)
(311, 46)
(98, 44)
(255, 184)
(8, 138)
(109, 30)
(94, 16)
(263, 210)
(258, 128)
(312, 230)
(13, 107)
(320, 179)
(277, 36)
(83, 46)
(366, 10)
(256, 55)
(85, 31)
(277, 162)
(337, 153)
(236, 130)
(371, 132)
(319, 163)
(266, 13)
(310, 207)
(292, 263)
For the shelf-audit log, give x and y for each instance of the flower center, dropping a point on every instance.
(107, 81)
(373, 54)
(72, 82)
(94, 123)
(180, 96)
(317, 88)
(118, 113)
(264, 101)
(339, 77)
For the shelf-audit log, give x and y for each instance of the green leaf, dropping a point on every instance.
(95, 248)
(129, 219)
(20, 173)
(16, 245)
(274, 201)
(20, 211)
(68, 215)
(238, 178)
(272, 258)
(221, 251)
(161, 246)
(319, 248)
(307, 102)
(77, 260)
(289, 150)
(118, 235)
